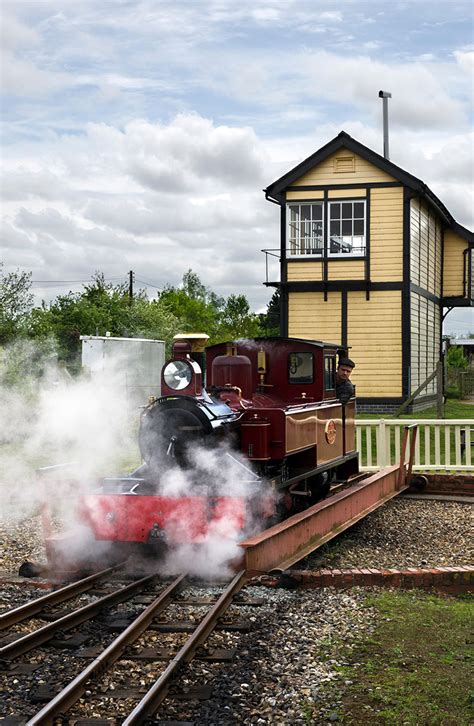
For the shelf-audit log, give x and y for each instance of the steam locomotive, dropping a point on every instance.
(263, 411)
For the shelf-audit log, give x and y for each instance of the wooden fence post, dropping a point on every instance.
(439, 390)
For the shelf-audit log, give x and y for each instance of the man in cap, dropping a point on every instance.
(344, 388)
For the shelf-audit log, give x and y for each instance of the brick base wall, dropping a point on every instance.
(462, 484)
(419, 404)
(445, 579)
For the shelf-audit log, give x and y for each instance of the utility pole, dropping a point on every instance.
(131, 279)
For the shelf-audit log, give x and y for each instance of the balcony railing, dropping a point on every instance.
(295, 253)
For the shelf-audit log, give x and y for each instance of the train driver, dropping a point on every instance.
(344, 388)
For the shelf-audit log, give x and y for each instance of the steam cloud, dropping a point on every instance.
(49, 418)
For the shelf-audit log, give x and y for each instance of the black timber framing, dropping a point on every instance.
(457, 302)
(367, 245)
(359, 185)
(283, 274)
(338, 285)
(406, 298)
(326, 245)
(441, 317)
(425, 293)
(344, 317)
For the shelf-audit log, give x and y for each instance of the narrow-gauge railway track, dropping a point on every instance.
(137, 703)
(33, 607)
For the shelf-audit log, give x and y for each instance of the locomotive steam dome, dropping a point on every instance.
(233, 370)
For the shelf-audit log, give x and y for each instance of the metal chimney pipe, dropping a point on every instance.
(385, 95)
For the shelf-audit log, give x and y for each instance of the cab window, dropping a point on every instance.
(329, 373)
(300, 368)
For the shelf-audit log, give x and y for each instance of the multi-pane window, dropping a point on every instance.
(346, 234)
(347, 228)
(305, 229)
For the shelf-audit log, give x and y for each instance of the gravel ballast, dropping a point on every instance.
(287, 668)
(403, 533)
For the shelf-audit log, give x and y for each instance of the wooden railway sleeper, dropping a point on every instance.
(158, 691)
(17, 615)
(74, 690)
(32, 640)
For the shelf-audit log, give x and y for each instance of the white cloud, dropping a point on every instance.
(332, 16)
(465, 59)
(144, 220)
(141, 138)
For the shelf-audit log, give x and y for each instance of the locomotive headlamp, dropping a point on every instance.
(178, 374)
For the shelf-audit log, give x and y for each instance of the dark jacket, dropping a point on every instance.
(344, 391)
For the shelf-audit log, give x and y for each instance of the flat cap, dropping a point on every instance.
(346, 362)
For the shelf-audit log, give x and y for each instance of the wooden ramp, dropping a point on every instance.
(281, 546)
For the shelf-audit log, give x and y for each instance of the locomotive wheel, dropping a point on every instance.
(320, 485)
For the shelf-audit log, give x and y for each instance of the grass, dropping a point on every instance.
(416, 667)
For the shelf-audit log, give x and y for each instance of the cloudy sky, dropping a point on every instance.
(139, 134)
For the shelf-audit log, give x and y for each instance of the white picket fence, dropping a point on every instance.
(441, 444)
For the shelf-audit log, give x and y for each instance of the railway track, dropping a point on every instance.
(161, 627)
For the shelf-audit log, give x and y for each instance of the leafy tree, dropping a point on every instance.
(16, 302)
(455, 358)
(152, 319)
(237, 321)
(270, 321)
(196, 307)
(100, 308)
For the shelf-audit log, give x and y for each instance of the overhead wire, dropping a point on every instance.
(68, 282)
(149, 284)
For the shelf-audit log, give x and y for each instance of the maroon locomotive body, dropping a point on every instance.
(264, 407)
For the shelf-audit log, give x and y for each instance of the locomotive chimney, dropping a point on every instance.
(385, 95)
(197, 342)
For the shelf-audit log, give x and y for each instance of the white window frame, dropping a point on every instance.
(361, 248)
(304, 255)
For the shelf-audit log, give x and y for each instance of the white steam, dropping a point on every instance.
(224, 475)
(49, 418)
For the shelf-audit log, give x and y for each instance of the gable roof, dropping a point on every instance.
(344, 141)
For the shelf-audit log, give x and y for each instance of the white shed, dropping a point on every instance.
(132, 363)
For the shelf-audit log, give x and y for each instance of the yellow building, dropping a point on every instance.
(369, 257)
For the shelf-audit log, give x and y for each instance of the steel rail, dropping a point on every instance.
(75, 689)
(22, 612)
(32, 640)
(157, 693)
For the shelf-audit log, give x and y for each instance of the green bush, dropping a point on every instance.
(456, 359)
(453, 392)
